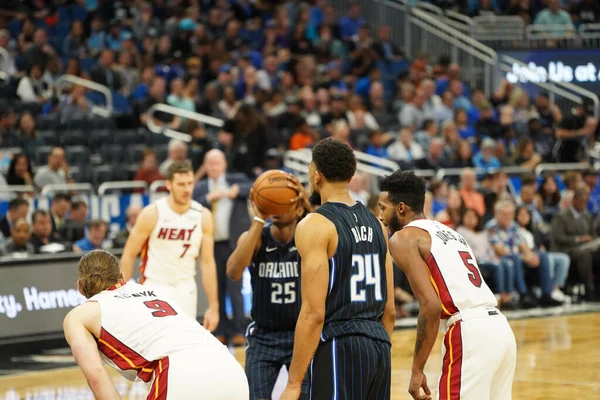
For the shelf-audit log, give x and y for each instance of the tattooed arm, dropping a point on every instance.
(408, 247)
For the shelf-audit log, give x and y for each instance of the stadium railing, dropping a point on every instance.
(173, 133)
(121, 185)
(421, 28)
(65, 81)
(67, 187)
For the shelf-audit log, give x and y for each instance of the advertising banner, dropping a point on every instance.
(36, 294)
(580, 67)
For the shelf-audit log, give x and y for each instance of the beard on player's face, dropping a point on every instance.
(394, 224)
(315, 198)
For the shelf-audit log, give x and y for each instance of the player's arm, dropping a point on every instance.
(247, 245)
(312, 237)
(404, 246)
(208, 269)
(389, 313)
(86, 354)
(141, 231)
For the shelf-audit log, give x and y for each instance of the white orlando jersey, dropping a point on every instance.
(454, 272)
(140, 327)
(171, 251)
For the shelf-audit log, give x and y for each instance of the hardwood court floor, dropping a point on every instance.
(559, 358)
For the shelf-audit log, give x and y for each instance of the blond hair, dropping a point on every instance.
(98, 270)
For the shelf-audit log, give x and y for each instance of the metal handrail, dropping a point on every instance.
(589, 31)
(455, 33)
(17, 189)
(430, 8)
(154, 186)
(118, 185)
(459, 21)
(540, 169)
(175, 134)
(550, 31)
(67, 187)
(106, 111)
(381, 162)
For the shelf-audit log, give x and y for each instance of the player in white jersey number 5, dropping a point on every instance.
(479, 346)
(171, 234)
(146, 337)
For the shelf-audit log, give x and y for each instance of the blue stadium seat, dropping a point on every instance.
(121, 104)
(127, 137)
(78, 123)
(73, 137)
(87, 63)
(112, 153)
(161, 152)
(78, 155)
(79, 13)
(64, 14)
(101, 174)
(41, 155)
(134, 153)
(63, 28)
(47, 138)
(102, 123)
(98, 138)
(14, 27)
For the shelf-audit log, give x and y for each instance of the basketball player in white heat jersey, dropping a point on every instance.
(146, 337)
(479, 352)
(171, 234)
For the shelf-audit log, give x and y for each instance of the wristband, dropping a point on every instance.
(259, 219)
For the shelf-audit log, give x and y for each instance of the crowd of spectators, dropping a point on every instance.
(568, 13)
(283, 75)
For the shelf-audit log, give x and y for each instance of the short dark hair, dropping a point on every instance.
(334, 159)
(39, 213)
(528, 180)
(97, 223)
(405, 187)
(178, 167)
(61, 196)
(589, 172)
(16, 203)
(77, 204)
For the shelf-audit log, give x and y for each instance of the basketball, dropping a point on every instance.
(272, 194)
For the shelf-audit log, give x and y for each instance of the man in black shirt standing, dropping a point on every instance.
(574, 134)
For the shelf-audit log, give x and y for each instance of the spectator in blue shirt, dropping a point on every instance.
(554, 17)
(590, 179)
(486, 159)
(116, 36)
(503, 232)
(350, 23)
(96, 41)
(94, 237)
(378, 141)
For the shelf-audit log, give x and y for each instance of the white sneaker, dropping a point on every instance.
(558, 295)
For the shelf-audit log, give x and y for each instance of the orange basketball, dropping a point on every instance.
(272, 194)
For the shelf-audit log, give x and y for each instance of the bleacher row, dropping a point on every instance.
(95, 151)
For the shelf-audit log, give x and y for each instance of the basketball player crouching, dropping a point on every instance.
(145, 336)
(170, 234)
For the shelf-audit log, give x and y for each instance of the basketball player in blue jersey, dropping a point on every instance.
(270, 253)
(347, 312)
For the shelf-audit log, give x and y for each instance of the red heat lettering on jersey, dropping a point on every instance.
(175, 233)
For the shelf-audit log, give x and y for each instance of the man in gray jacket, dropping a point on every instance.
(571, 228)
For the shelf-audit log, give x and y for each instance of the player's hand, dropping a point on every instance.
(290, 393)
(294, 183)
(257, 211)
(418, 381)
(216, 195)
(211, 319)
(234, 191)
